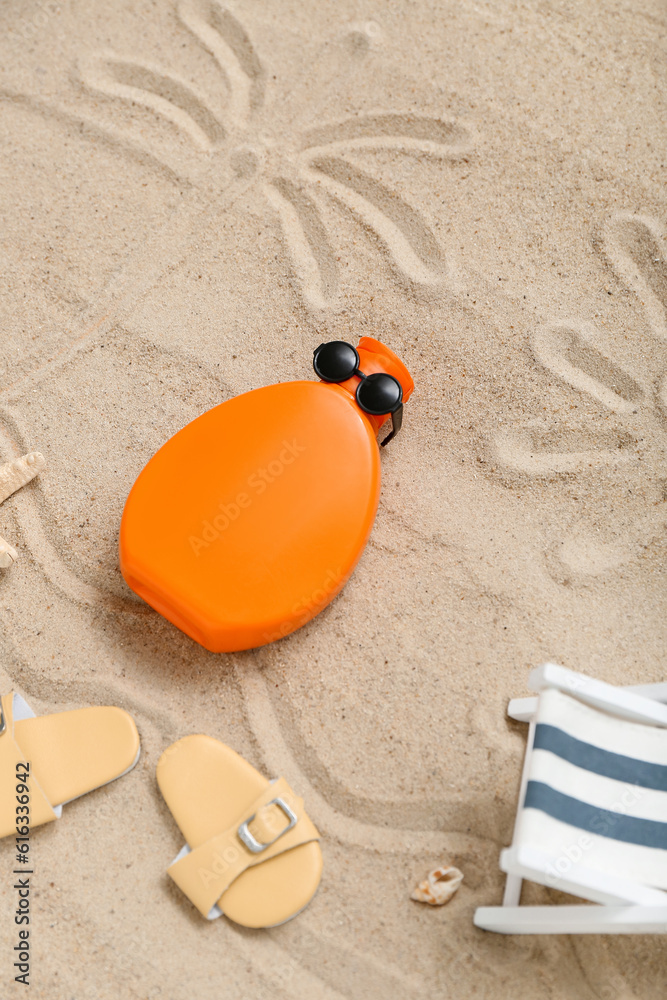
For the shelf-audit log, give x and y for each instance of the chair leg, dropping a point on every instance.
(512, 894)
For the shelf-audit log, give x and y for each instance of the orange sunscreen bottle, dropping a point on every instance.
(248, 522)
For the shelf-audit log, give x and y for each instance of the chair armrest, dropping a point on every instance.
(657, 692)
(522, 709)
(622, 702)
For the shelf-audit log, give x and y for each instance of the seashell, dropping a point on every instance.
(14, 475)
(439, 886)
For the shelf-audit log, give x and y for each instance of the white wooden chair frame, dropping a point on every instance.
(626, 907)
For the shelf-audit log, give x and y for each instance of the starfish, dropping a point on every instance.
(14, 475)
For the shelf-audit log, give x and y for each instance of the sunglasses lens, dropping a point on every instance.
(335, 361)
(379, 393)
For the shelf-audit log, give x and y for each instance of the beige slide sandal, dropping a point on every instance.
(252, 853)
(59, 757)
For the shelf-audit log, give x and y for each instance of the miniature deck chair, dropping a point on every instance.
(592, 816)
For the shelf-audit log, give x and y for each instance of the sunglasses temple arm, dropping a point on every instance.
(396, 424)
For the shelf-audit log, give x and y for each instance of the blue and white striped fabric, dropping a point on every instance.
(597, 791)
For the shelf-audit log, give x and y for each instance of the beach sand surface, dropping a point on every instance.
(194, 196)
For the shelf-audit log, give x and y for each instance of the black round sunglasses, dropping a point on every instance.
(376, 394)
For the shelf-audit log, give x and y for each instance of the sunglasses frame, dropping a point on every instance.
(396, 413)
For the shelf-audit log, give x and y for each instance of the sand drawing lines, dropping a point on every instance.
(34, 534)
(636, 246)
(244, 133)
(632, 439)
(239, 142)
(341, 827)
(166, 94)
(71, 528)
(253, 142)
(378, 839)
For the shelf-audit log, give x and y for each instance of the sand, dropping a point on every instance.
(193, 199)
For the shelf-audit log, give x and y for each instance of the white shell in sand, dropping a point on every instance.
(439, 886)
(14, 475)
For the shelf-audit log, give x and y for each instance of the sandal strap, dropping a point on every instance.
(274, 823)
(40, 809)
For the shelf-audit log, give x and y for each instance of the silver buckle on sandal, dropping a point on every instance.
(254, 845)
(3, 721)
